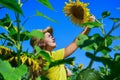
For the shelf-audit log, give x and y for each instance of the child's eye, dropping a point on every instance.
(49, 36)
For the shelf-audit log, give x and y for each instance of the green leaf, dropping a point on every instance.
(46, 3)
(92, 43)
(102, 69)
(90, 55)
(105, 14)
(115, 19)
(114, 37)
(117, 47)
(108, 41)
(117, 57)
(24, 36)
(12, 31)
(43, 78)
(11, 4)
(44, 16)
(6, 69)
(16, 73)
(5, 22)
(37, 34)
(97, 39)
(6, 37)
(81, 39)
(38, 49)
(2, 36)
(62, 61)
(89, 45)
(106, 60)
(105, 50)
(91, 24)
(38, 78)
(20, 71)
(88, 74)
(43, 54)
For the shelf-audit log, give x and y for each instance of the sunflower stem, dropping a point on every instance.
(100, 45)
(18, 35)
(102, 28)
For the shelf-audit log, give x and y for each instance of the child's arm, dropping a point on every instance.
(73, 46)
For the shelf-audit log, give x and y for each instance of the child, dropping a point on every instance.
(48, 44)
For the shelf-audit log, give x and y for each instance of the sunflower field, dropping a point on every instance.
(16, 64)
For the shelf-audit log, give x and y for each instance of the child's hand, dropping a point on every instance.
(92, 18)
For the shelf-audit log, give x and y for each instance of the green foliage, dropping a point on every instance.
(44, 16)
(43, 54)
(115, 19)
(105, 14)
(117, 57)
(46, 3)
(91, 24)
(88, 74)
(6, 37)
(10, 73)
(117, 47)
(64, 61)
(93, 42)
(5, 22)
(37, 34)
(11, 4)
(97, 43)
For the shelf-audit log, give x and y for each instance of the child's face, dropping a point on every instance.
(49, 40)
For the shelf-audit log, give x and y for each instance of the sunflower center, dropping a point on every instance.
(78, 12)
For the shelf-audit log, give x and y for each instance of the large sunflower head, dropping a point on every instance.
(77, 11)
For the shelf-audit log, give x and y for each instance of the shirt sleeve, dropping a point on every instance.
(59, 54)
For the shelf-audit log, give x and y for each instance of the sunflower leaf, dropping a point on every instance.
(108, 41)
(5, 22)
(62, 61)
(44, 16)
(20, 71)
(81, 39)
(105, 50)
(23, 35)
(6, 69)
(42, 53)
(91, 24)
(46, 3)
(117, 47)
(105, 14)
(11, 4)
(115, 19)
(114, 37)
(6, 37)
(88, 74)
(117, 57)
(37, 34)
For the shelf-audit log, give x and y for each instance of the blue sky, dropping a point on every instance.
(65, 31)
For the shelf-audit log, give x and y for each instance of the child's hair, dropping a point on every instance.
(40, 42)
(37, 42)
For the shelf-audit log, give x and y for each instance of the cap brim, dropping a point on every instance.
(48, 29)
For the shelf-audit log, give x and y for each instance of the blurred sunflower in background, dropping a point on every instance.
(77, 11)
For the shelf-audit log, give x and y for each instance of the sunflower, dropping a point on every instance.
(77, 11)
(5, 51)
(80, 66)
